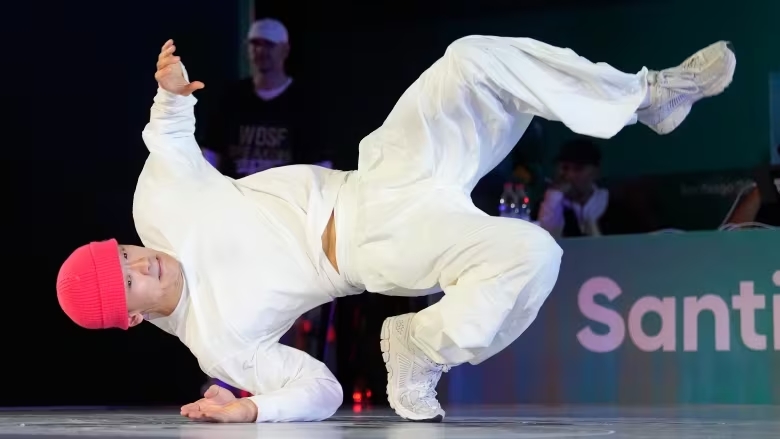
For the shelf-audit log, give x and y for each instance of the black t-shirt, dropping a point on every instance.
(252, 134)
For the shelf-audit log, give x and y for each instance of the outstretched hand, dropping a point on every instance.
(170, 75)
(219, 405)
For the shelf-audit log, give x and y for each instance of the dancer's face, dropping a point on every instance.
(149, 276)
(267, 56)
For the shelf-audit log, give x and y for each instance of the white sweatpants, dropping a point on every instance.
(415, 227)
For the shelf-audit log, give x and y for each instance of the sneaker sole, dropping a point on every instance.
(384, 345)
(676, 118)
(724, 81)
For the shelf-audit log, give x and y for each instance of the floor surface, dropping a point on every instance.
(466, 423)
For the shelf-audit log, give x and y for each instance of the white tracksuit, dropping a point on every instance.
(251, 249)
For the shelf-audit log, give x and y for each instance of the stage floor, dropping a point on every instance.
(473, 423)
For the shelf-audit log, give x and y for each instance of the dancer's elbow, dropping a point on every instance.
(332, 397)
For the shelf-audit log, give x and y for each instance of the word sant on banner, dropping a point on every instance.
(746, 303)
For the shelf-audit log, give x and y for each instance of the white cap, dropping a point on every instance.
(268, 29)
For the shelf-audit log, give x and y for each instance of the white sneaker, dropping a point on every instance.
(673, 91)
(411, 376)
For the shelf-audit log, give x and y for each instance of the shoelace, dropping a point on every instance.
(678, 81)
(426, 389)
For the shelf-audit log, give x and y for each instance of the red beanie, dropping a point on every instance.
(91, 287)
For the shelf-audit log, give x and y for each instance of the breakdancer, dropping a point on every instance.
(228, 265)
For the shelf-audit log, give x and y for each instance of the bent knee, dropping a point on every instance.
(548, 245)
(540, 265)
(531, 247)
(535, 239)
(331, 398)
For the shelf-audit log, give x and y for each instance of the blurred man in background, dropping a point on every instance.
(261, 121)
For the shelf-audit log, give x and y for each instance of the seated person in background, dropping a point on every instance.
(574, 205)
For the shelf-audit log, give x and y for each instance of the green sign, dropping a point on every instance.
(668, 318)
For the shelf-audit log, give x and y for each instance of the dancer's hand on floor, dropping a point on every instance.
(169, 73)
(219, 405)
